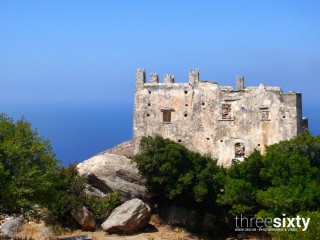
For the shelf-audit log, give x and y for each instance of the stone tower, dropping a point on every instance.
(213, 119)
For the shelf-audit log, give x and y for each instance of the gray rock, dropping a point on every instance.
(127, 218)
(10, 227)
(111, 172)
(92, 191)
(85, 218)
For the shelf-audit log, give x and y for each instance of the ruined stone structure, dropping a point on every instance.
(213, 119)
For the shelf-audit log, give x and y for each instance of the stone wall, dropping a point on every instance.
(214, 119)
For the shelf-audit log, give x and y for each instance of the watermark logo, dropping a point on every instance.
(247, 224)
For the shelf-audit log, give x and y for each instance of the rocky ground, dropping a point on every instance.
(153, 231)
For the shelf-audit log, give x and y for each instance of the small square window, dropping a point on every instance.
(264, 114)
(226, 111)
(166, 116)
(239, 150)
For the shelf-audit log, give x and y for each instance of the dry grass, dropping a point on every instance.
(156, 230)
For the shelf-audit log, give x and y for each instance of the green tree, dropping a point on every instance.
(27, 166)
(291, 175)
(241, 185)
(285, 180)
(69, 195)
(173, 172)
(103, 206)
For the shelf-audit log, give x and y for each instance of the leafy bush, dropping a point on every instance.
(173, 172)
(102, 207)
(27, 166)
(70, 195)
(285, 180)
(241, 185)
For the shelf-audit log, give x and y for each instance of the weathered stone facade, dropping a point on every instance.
(213, 119)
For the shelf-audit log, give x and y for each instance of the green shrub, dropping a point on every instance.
(70, 195)
(27, 166)
(285, 180)
(175, 173)
(241, 185)
(102, 207)
(69, 189)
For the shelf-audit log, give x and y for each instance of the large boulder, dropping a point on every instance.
(85, 218)
(10, 227)
(128, 217)
(111, 172)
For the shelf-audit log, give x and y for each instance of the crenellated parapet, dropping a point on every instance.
(195, 82)
(168, 78)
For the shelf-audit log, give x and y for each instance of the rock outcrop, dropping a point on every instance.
(111, 172)
(128, 217)
(123, 149)
(10, 227)
(85, 218)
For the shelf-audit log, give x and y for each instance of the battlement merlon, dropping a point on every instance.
(140, 78)
(168, 78)
(240, 83)
(194, 77)
(154, 78)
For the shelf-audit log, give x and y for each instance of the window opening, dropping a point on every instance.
(239, 150)
(166, 115)
(226, 111)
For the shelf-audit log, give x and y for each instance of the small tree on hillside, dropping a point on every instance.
(27, 166)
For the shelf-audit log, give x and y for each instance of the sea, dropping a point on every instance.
(76, 131)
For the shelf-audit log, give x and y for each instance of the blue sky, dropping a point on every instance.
(74, 52)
